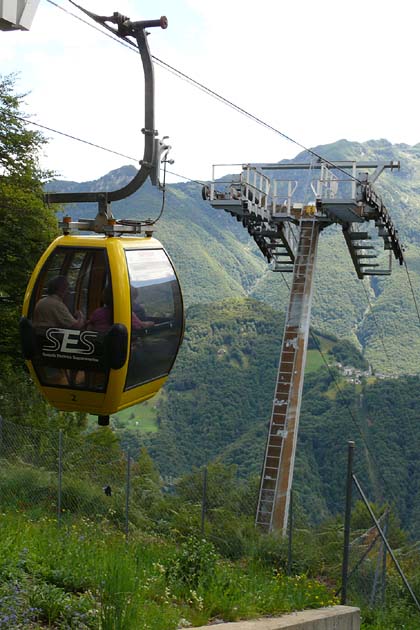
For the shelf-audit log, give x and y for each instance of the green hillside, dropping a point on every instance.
(217, 401)
(217, 405)
(216, 259)
(60, 467)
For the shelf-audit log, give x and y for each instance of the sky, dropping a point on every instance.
(318, 71)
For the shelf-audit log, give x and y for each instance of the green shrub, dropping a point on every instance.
(193, 564)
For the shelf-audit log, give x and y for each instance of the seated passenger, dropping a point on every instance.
(51, 311)
(101, 318)
(138, 313)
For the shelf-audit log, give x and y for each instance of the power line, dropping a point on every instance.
(68, 135)
(381, 337)
(412, 290)
(128, 44)
(96, 146)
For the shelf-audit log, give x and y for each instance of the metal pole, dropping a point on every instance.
(383, 585)
(204, 501)
(376, 576)
(347, 521)
(382, 535)
(127, 494)
(379, 576)
(289, 550)
(60, 475)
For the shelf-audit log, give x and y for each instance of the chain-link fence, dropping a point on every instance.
(378, 559)
(367, 566)
(49, 472)
(66, 477)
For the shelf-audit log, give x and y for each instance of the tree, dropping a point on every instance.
(146, 482)
(27, 225)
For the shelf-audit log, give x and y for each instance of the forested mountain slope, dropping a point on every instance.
(216, 258)
(218, 399)
(217, 404)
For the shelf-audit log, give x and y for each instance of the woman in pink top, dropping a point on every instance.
(101, 318)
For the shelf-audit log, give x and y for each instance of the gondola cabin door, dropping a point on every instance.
(102, 322)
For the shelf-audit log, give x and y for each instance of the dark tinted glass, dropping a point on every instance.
(157, 318)
(71, 312)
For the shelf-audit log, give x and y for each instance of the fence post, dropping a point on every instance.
(289, 549)
(204, 501)
(1, 431)
(376, 576)
(60, 475)
(347, 521)
(383, 584)
(380, 572)
(127, 494)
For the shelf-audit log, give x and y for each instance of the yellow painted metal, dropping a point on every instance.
(115, 398)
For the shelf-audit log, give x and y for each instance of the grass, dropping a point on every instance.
(314, 361)
(86, 576)
(141, 417)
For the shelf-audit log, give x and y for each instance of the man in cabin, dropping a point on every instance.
(51, 311)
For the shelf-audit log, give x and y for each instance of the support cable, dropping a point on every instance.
(381, 337)
(71, 137)
(412, 289)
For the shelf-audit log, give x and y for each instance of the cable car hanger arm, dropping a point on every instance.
(126, 28)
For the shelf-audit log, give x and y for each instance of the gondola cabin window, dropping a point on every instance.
(156, 315)
(73, 286)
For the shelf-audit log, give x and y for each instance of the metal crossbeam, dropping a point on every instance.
(270, 208)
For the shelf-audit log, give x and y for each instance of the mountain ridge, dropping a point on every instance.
(216, 258)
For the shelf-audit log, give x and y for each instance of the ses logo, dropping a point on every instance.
(65, 343)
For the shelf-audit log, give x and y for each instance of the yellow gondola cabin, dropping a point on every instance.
(102, 322)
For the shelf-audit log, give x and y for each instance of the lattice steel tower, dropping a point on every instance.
(287, 232)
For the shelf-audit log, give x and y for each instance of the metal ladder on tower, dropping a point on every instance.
(276, 480)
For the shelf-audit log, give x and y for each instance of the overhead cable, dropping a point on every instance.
(412, 290)
(128, 44)
(381, 337)
(96, 146)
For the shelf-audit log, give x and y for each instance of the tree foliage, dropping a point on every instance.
(26, 225)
